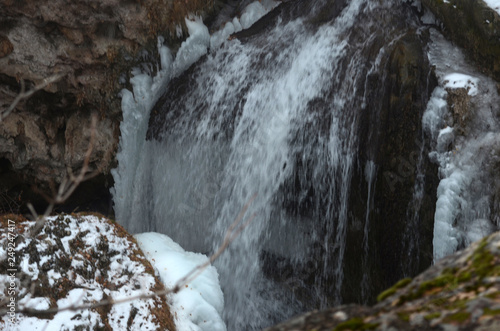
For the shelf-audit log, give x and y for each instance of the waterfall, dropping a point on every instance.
(287, 111)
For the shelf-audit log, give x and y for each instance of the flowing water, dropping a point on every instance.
(286, 113)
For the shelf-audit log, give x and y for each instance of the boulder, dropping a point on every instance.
(77, 260)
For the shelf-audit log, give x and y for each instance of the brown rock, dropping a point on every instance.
(75, 35)
(23, 140)
(459, 102)
(77, 137)
(6, 46)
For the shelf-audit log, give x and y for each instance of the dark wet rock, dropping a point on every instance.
(475, 27)
(394, 140)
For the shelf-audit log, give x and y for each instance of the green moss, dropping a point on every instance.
(494, 295)
(387, 293)
(439, 281)
(390, 291)
(482, 260)
(464, 277)
(432, 316)
(459, 317)
(447, 279)
(404, 316)
(355, 324)
(450, 271)
(352, 324)
(493, 312)
(460, 304)
(402, 283)
(495, 271)
(439, 302)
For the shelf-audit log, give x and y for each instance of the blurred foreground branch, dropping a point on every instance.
(231, 234)
(68, 185)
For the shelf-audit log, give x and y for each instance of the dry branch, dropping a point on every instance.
(26, 94)
(68, 185)
(231, 234)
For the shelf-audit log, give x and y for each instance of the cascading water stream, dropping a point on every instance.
(370, 172)
(276, 112)
(412, 236)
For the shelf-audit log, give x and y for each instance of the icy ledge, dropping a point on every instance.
(462, 123)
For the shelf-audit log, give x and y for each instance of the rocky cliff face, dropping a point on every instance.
(93, 45)
(461, 292)
(475, 27)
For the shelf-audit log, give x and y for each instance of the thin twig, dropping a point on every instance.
(24, 95)
(231, 234)
(68, 185)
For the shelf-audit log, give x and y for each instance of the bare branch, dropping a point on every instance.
(24, 95)
(231, 234)
(66, 190)
(69, 183)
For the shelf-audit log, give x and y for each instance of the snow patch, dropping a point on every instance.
(199, 305)
(493, 4)
(458, 80)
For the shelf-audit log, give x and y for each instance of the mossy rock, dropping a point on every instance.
(390, 291)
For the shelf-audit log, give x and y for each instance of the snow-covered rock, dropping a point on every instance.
(77, 260)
